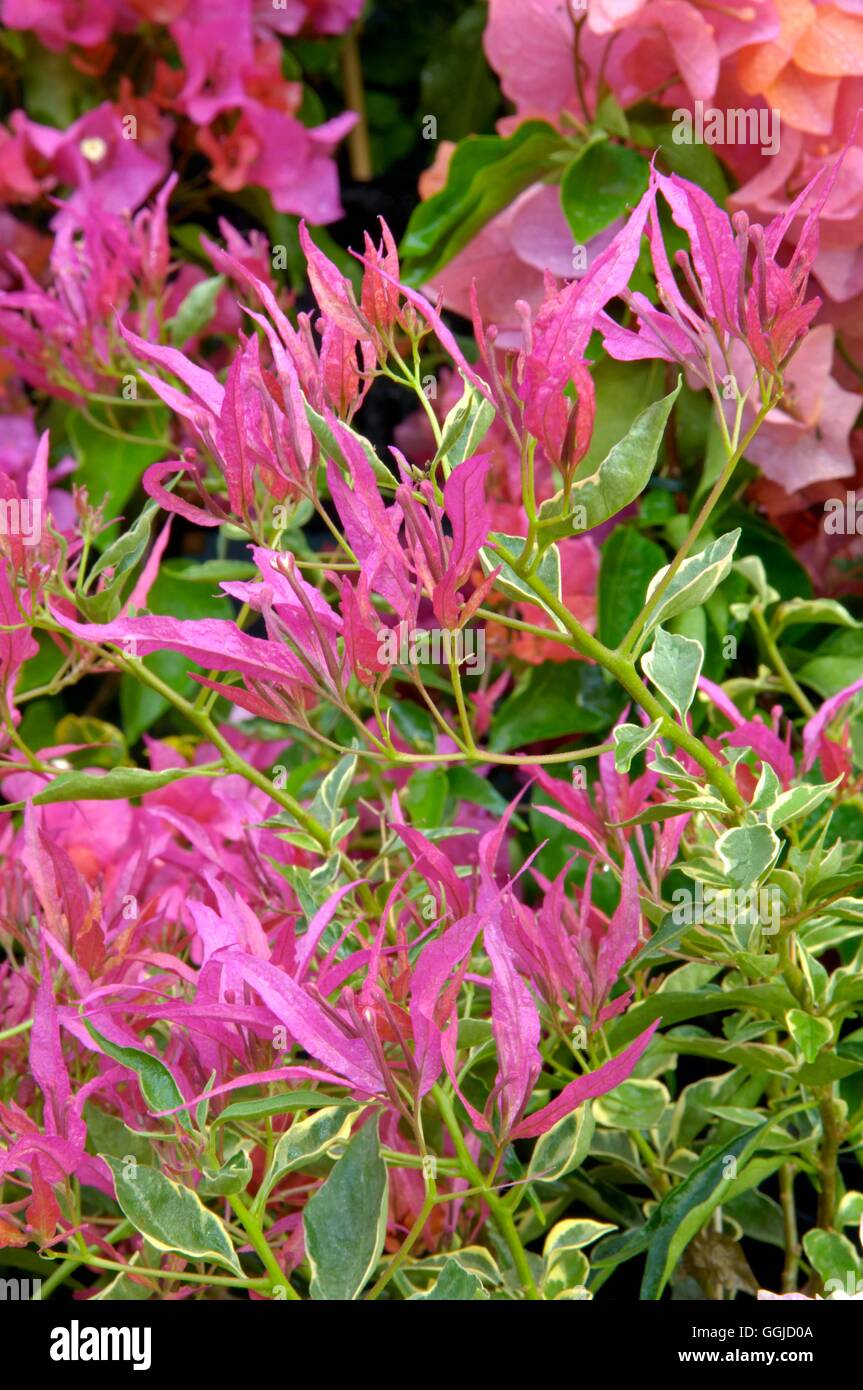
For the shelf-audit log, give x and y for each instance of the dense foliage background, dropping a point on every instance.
(430, 649)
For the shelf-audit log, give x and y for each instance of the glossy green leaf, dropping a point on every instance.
(797, 803)
(306, 1141)
(332, 449)
(818, 610)
(600, 185)
(682, 1212)
(613, 483)
(118, 784)
(834, 1260)
(266, 1107)
(634, 1104)
(110, 467)
(232, 1177)
(551, 700)
(510, 582)
(485, 174)
(573, 1234)
(464, 428)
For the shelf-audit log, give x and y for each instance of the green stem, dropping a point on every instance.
(789, 1228)
(695, 531)
(19, 1028)
(827, 1158)
(410, 1241)
(779, 666)
(624, 672)
(501, 1214)
(278, 1279)
(232, 759)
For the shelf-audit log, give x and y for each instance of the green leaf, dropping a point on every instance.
(333, 450)
(466, 785)
(752, 569)
(799, 802)
(127, 549)
(464, 428)
(573, 1234)
(600, 185)
(629, 562)
(747, 852)
(123, 1289)
(305, 1141)
(835, 665)
(333, 790)
(195, 310)
(768, 788)
(172, 1218)
(665, 939)
(682, 1212)
(485, 174)
(102, 745)
(615, 482)
(266, 1107)
(454, 1283)
(564, 1147)
(674, 664)
(695, 581)
(116, 785)
(623, 391)
(231, 1178)
(345, 1220)
(510, 582)
(697, 163)
(552, 700)
(634, 1104)
(456, 81)
(809, 1033)
(108, 1134)
(833, 1258)
(158, 1087)
(426, 794)
(630, 739)
(679, 1008)
(818, 610)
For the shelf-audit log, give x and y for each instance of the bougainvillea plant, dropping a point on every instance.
(430, 860)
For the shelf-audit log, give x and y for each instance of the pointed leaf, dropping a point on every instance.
(694, 582)
(171, 1217)
(673, 665)
(345, 1220)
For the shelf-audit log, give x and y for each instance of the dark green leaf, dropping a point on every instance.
(600, 185)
